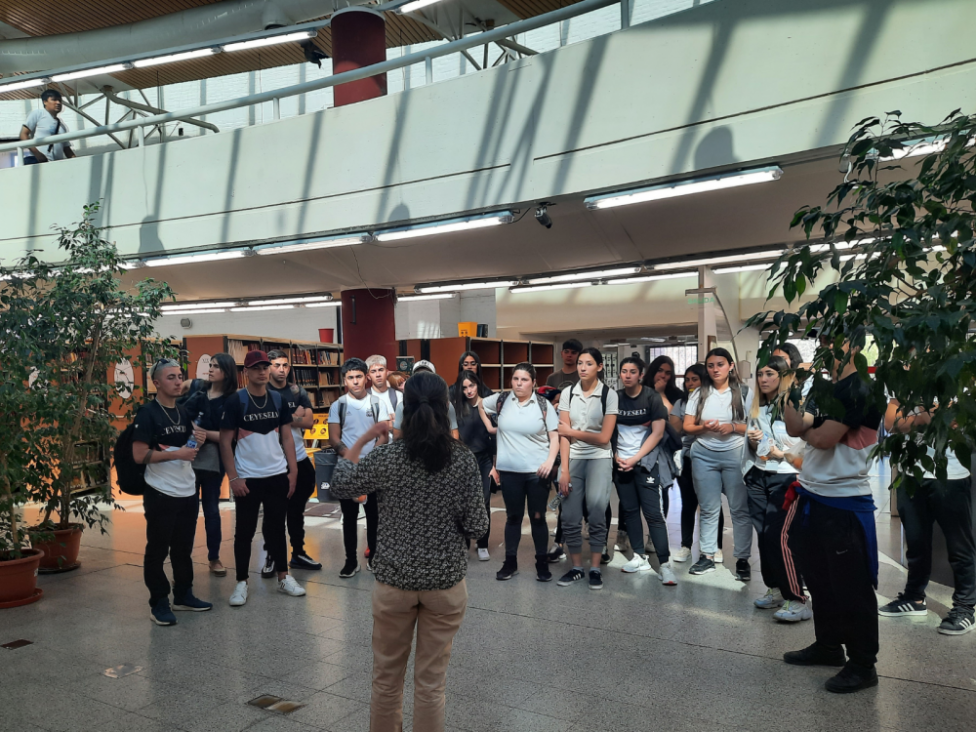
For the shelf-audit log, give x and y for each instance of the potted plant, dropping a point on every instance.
(73, 321)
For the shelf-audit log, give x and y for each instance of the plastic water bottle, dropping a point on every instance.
(192, 442)
(556, 500)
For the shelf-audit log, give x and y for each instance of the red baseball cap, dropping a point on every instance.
(253, 358)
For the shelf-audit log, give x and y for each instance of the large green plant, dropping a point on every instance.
(64, 327)
(910, 281)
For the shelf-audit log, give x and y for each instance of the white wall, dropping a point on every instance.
(439, 318)
(299, 324)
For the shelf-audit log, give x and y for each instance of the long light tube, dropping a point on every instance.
(436, 296)
(742, 268)
(561, 286)
(113, 68)
(177, 307)
(290, 300)
(197, 258)
(332, 304)
(651, 278)
(600, 274)
(445, 227)
(270, 41)
(685, 188)
(305, 246)
(264, 307)
(771, 254)
(195, 312)
(467, 286)
(28, 84)
(173, 57)
(415, 5)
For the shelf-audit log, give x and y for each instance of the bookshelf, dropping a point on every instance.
(498, 357)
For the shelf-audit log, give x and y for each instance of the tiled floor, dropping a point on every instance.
(637, 656)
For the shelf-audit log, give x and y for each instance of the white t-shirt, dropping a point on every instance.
(629, 439)
(586, 414)
(523, 436)
(776, 432)
(717, 406)
(954, 469)
(42, 123)
(386, 398)
(358, 419)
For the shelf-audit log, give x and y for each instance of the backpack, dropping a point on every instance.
(246, 398)
(603, 397)
(196, 386)
(131, 475)
(374, 408)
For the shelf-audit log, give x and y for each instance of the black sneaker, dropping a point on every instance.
(509, 569)
(605, 558)
(816, 655)
(542, 573)
(596, 579)
(349, 569)
(959, 621)
(902, 607)
(851, 678)
(303, 561)
(573, 575)
(704, 565)
(192, 604)
(269, 568)
(161, 614)
(557, 554)
(743, 571)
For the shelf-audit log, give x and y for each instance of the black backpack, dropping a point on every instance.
(131, 475)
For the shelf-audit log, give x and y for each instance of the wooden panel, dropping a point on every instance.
(541, 354)
(488, 350)
(413, 348)
(445, 354)
(197, 346)
(515, 352)
(48, 17)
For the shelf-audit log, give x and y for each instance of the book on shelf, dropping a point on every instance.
(305, 377)
(301, 356)
(327, 357)
(327, 378)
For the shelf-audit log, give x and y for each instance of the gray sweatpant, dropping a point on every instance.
(717, 472)
(591, 480)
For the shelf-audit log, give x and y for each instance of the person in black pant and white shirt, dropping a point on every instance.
(302, 417)
(920, 504)
(379, 386)
(261, 471)
(162, 429)
(830, 527)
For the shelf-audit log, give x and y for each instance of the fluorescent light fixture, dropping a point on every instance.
(742, 268)
(177, 307)
(305, 246)
(445, 227)
(598, 275)
(174, 57)
(270, 41)
(615, 345)
(839, 245)
(730, 259)
(685, 188)
(197, 258)
(112, 69)
(333, 304)
(415, 5)
(651, 278)
(247, 309)
(17, 85)
(196, 312)
(435, 296)
(290, 300)
(561, 286)
(922, 147)
(466, 286)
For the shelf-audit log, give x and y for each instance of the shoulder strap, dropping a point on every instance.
(502, 398)
(342, 411)
(394, 397)
(374, 407)
(603, 398)
(543, 407)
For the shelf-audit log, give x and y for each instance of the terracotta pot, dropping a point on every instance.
(60, 553)
(18, 579)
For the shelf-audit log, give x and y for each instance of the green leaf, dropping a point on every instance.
(840, 302)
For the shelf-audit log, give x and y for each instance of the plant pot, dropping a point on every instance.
(61, 552)
(18, 580)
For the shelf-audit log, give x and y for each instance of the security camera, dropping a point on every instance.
(542, 217)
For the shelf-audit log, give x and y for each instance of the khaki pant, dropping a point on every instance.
(437, 616)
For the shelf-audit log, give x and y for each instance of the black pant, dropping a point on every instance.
(766, 494)
(519, 489)
(608, 515)
(350, 517)
(304, 488)
(638, 495)
(485, 464)
(951, 504)
(689, 507)
(171, 524)
(830, 546)
(273, 493)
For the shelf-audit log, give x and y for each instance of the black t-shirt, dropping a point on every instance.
(166, 429)
(634, 417)
(294, 396)
(256, 422)
(473, 433)
(213, 409)
(855, 408)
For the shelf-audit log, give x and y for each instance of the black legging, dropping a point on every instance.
(689, 507)
(485, 464)
(519, 489)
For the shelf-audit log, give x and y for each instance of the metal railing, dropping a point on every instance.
(502, 33)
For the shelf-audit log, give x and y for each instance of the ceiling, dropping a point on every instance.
(721, 221)
(52, 17)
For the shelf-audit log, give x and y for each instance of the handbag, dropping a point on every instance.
(208, 458)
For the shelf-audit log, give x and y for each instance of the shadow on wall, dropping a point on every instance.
(149, 241)
(715, 149)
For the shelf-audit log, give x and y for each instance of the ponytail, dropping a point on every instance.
(426, 425)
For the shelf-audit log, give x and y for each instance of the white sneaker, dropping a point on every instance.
(666, 574)
(289, 586)
(483, 555)
(638, 564)
(682, 554)
(772, 599)
(239, 596)
(793, 612)
(718, 558)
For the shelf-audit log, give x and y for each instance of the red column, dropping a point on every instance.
(368, 326)
(358, 40)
